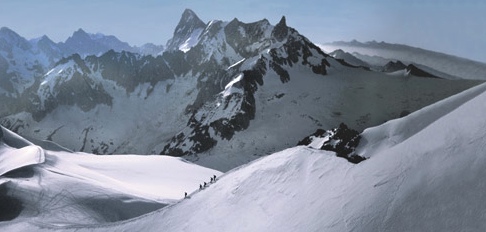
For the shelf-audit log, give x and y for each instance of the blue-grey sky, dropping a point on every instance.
(456, 27)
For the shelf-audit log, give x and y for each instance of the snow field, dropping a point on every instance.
(431, 181)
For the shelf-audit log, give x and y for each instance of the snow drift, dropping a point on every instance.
(59, 188)
(16, 152)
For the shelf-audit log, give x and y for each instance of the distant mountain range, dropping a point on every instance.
(379, 53)
(221, 94)
(22, 61)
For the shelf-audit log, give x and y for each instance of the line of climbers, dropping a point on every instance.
(201, 186)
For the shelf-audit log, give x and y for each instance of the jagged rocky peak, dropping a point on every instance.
(189, 17)
(6, 32)
(79, 34)
(44, 39)
(190, 25)
(253, 50)
(280, 31)
(9, 37)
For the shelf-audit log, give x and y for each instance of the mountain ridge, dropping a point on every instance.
(211, 101)
(458, 67)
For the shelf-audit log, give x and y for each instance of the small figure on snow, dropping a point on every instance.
(200, 187)
(205, 184)
(214, 178)
(211, 180)
(185, 194)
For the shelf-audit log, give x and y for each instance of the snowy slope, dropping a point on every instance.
(452, 65)
(78, 188)
(430, 181)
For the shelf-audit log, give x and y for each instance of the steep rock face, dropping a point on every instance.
(280, 31)
(73, 86)
(130, 70)
(10, 39)
(186, 32)
(251, 51)
(44, 45)
(20, 63)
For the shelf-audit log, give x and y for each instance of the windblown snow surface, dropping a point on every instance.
(425, 172)
(59, 188)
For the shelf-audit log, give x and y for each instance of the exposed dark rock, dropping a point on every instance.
(341, 140)
(284, 75)
(172, 148)
(130, 70)
(280, 31)
(393, 66)
(414, 70)
(202, 141)
(252, 33)
(49, 137)
(404, 113)
(344, 63)
(199, 141)
(179, 64)
(188, 23)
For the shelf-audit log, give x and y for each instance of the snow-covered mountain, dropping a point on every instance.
(424, 172)
(222, 97)
(86, 44)
(379, 53)
(23, 61)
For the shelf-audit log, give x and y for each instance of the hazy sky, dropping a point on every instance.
(455, 27)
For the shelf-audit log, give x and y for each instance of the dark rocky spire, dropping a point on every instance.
(280, 31)
(187, 24)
